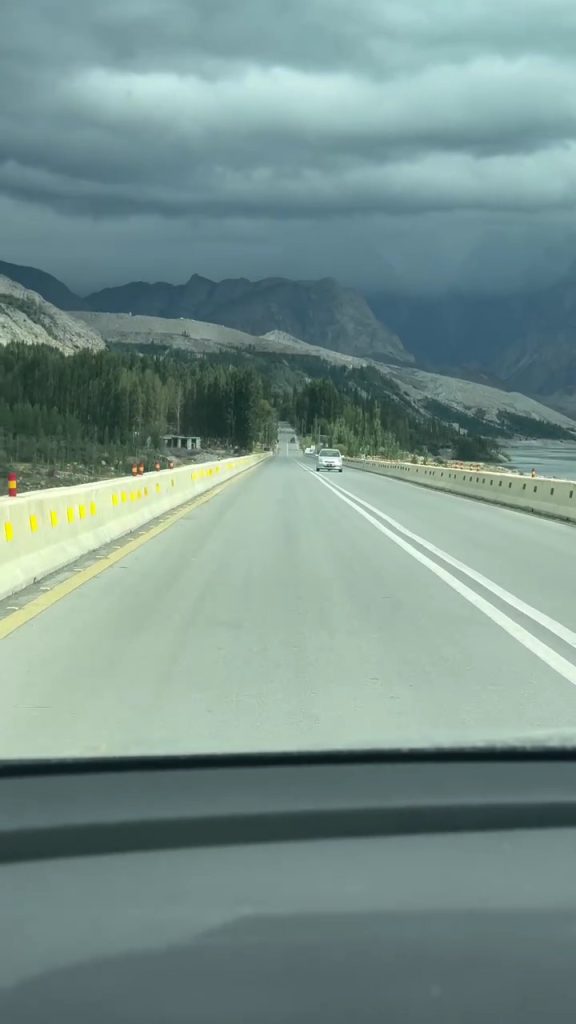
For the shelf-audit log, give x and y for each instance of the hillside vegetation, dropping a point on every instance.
(477, 338)
(106, 406)
(458, 398)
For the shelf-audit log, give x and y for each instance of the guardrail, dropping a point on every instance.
(41, 531)
(542, 495)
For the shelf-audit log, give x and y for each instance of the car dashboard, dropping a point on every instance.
(334, 888)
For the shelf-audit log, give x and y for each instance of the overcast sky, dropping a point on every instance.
(409, 143)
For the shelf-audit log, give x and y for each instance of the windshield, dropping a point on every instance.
(287, 376)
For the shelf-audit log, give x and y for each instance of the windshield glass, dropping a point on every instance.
(287, 376)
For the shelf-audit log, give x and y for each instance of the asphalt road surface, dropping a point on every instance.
(296, 610)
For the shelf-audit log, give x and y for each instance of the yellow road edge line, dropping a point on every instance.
(41, 604)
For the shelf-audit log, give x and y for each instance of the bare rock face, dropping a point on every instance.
(48, 286)
(523, 341)
(198, 336)
(27, 318)
(319, 312)
(322, 312)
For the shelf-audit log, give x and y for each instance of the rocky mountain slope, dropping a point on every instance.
(198, 337)
(525, 341)
(542, 357)
(477, 400)
(456, 330)
(417, 386)
(26, 317)
(319, 312)
(49, 287)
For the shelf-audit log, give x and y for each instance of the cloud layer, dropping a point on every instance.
(314, 119)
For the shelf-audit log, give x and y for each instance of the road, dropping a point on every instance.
(295, 610)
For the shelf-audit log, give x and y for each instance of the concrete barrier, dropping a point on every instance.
(41, 531)
(543, 495)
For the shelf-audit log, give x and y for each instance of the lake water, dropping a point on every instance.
(548, 458)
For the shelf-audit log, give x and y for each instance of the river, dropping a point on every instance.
(548, 458)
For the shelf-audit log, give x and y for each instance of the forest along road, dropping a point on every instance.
(301, 611)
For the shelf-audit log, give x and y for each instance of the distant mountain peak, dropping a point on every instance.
(321, 312)
(199, 277)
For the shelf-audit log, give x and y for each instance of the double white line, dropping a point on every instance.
(547, 654)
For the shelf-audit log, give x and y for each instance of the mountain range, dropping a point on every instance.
(522, 342)
(27, 317)
(319, 312)
(525, 341)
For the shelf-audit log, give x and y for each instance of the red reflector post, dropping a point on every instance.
(12, 485)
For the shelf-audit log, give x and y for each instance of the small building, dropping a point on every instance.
(181, 441)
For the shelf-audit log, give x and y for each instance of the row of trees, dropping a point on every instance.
(53, 407)
(359, 415)
(118, 400)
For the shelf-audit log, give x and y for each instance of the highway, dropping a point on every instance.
(302, 611)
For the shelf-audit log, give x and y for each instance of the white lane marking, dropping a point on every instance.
(541, 650)
(552, 625)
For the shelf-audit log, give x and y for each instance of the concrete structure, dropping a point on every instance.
(41, 531)
(543, 495)
(185, 442)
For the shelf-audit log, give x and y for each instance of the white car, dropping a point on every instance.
(329, 458)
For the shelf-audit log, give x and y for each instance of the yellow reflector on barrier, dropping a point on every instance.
(8, 531)
(70, 515)
(124, 496)
(54, 519)
(82, 511)
(158, 488)
(92, 508)
(33, 523)
(145, 492)
(114, 499)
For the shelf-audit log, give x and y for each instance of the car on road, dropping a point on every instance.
(329, 458)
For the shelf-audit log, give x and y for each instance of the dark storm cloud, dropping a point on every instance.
(309, 111)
